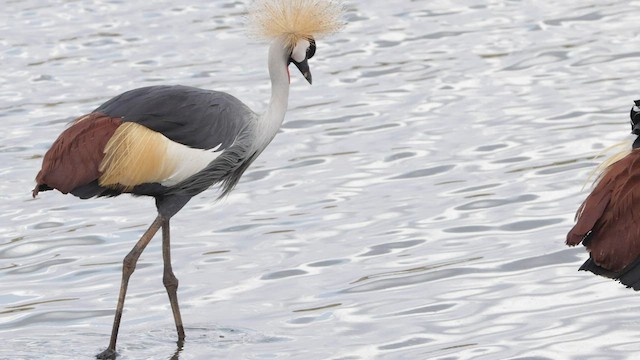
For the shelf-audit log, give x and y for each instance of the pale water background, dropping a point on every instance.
(414, 205)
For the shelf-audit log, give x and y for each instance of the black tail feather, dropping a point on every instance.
(40, 187)
(92, 189)
(629, 276)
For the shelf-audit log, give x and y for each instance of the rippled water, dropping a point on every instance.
(414, 205)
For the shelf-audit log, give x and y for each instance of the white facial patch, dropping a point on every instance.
(299, 52)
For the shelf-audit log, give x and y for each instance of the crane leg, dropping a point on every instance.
(128, 266)
(170, 281)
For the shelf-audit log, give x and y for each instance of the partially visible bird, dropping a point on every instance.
(173, 142)
(608, 221)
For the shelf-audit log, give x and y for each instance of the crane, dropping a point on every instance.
(608, 222)
(172, 142)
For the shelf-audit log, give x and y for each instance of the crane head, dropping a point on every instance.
(296, 24)
(301, 52)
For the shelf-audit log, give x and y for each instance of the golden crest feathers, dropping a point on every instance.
(295, 19)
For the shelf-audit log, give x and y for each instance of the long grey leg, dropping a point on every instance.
(128, 266)
(170, 281)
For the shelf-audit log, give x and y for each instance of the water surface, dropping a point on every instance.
(413, 206)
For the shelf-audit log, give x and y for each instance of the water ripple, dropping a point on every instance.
(413, 205)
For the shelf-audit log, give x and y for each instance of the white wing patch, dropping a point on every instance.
(187, 161)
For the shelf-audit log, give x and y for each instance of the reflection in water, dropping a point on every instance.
(413, 206)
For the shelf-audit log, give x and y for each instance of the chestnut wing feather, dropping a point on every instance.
(74, 158)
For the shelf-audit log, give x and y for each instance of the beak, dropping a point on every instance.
(303, 66)
(636, 129)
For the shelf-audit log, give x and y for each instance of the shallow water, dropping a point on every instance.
(414, 205)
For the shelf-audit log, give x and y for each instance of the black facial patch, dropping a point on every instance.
(635, 114)
(312, 48)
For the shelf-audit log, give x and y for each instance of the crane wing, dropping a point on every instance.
(152, 135)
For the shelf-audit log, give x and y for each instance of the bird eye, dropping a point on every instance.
(312, 48)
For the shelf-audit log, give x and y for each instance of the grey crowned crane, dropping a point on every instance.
(608, 221)
(173, 142)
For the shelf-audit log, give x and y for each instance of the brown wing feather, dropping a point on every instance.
(74, 158)
(608, 221)
(588, 214)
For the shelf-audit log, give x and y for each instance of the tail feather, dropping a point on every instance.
(629, 276)
(40, 187)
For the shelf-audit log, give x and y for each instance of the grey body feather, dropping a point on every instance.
(198, 118)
